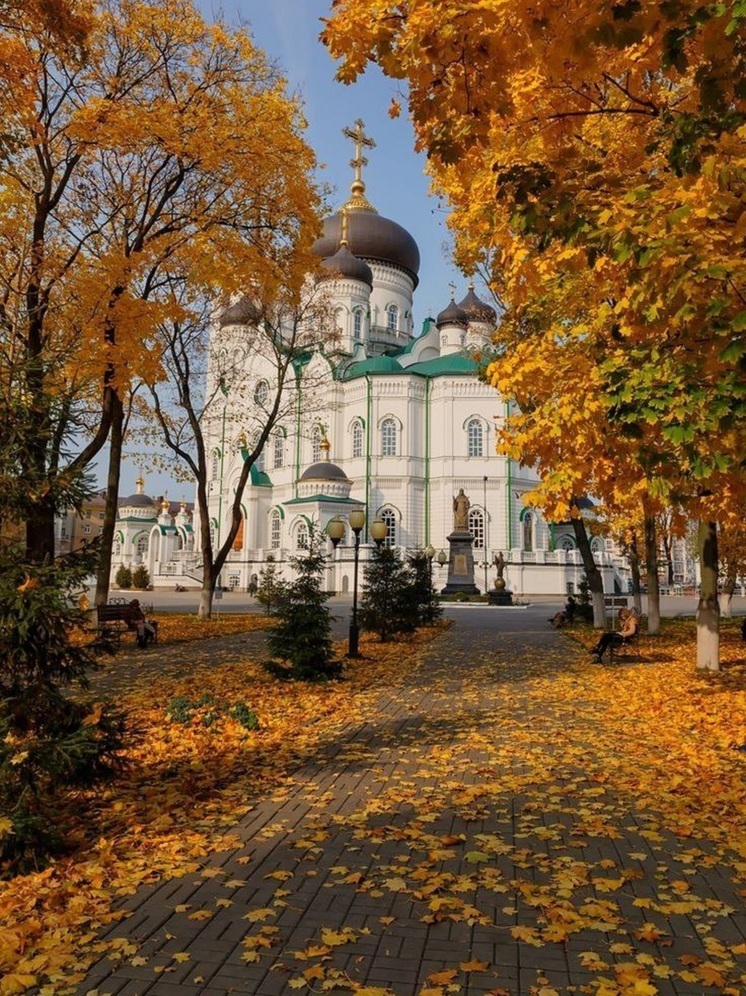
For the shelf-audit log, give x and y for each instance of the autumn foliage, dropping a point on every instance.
(593, 155)
(653, 738)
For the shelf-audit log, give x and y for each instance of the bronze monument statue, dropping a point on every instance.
(461, 506)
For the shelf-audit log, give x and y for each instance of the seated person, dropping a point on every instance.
(560, 619)
(147, 629)
(629, 624)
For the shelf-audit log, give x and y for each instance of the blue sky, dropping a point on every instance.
(288, 31)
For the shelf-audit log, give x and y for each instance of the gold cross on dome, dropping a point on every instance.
(361, 140)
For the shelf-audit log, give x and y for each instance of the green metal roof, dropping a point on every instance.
(258, 478)
(324, 498)
(454, 363)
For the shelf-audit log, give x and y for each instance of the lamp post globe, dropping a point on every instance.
(335, 530)
(379, 531)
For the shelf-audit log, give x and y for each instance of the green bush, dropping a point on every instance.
(271, 589)
(123, 577)
(389, 606)
(422, 592)
(141, 578)
(184, 710)
(300, 642)
(49, 741)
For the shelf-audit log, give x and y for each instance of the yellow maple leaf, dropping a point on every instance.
(442, 978)
(528, 934)
(17, 982)
(257, 915)
(313, 972)
(335, 937)
(182, 956)
(474, 966)
(649, 932)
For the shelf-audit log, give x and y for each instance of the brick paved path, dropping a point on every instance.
(460, 810)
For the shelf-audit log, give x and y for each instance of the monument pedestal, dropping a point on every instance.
(500, 596)
(461, 564)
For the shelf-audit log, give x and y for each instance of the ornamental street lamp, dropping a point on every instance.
(430, 553)
(335, 530)
(356, 518)
(379, 531)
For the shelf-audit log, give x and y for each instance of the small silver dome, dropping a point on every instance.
(476, 309)
(344, 263)
(452, 315)
(323, 471)
(243, 312)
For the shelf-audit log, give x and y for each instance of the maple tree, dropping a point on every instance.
(598, 147)
(164, 144)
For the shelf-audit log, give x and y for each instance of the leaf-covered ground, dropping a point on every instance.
(180, 627)
(484, 813)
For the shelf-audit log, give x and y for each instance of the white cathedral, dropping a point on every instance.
(397, 422)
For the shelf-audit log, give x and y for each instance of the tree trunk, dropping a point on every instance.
(103, 573)
(595, 580)
(40, 532)
(708, 622)
(668, 550)
(634, 563)
(651, 566)
(208, 568)
(205, 598)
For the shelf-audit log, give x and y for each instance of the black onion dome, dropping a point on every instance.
(476, 309)
(243, 312)
(138, 501)
(452, 315)
(371, 237)
(345, 263)
(323, 471)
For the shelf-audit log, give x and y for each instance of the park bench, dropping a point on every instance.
(621, 649)
(117, 618)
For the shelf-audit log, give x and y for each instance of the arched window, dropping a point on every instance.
(392, 317)
(215, 465)
(388, 516)
(567, 543)
(388, 437)
(475, 438)
(279, 449)
(316, 440)
(275, 530)
(476, 527)
(528, 531)
(301, 536)
(357, 324)
(444, 340)
(357, 439)
(142, 545)
(261, 393)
